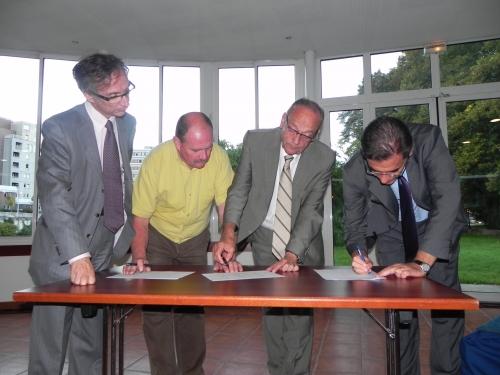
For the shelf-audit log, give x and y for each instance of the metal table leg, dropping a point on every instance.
(391, 340)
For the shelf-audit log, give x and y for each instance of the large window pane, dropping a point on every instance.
(144, 105)
(470, 63)
(236, 103)
(345, 131)
(474, 143)
(60, 91)
(418, 114)
(276, 93)
(342, 77)
(181, 94)
(18, 112)
(400, 71)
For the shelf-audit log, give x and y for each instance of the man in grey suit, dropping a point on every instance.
(250, 215)
(74, 237)
(392, 150)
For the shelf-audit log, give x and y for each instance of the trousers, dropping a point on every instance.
(175, 335)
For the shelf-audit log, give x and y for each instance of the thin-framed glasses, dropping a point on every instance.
(294, 133)
(378, 175)
(116, 98)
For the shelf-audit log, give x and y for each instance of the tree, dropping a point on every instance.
(232, 152)
(463, 64)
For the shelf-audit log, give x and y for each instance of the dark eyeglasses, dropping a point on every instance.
(116, 98)
(380, 174)
(294, 133)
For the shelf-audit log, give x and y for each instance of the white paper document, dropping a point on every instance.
(345, 273)
(247, 275)
(153, 275)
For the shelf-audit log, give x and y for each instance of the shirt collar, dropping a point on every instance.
(98, 120)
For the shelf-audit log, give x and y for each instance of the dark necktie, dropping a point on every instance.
(112, 177)
(408, 224)
(283, 214)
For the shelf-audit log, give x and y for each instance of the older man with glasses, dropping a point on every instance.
(402, 192)
(276, 203)
(85, 190)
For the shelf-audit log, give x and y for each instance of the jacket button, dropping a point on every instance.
(96, 215)
(102, 190)
(89, 235)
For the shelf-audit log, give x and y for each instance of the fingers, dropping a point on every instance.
(283, 265)
(140, 265)
(232, 266)
(82, 272)
(361, 267)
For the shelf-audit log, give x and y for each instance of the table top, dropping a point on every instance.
(297, 289)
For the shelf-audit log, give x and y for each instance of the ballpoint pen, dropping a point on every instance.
(135, 264)
(225, 261)
(362, 257)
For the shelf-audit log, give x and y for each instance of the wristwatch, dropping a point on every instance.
(424, 266)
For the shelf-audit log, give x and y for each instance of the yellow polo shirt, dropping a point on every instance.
(178, 199)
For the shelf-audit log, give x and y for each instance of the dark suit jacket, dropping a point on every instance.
(71, 192)
(371, 208)
(250, 194)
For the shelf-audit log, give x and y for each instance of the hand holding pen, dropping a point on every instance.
(140, 265)
(364, 261)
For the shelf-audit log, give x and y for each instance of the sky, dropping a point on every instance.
(19, 92)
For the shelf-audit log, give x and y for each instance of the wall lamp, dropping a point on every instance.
(438, 47)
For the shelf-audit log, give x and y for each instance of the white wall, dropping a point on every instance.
(13, 276)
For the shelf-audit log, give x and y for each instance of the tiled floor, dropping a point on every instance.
(345, 342)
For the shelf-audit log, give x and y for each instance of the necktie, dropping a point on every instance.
(283, 215)
(112, 177)
(408, 224)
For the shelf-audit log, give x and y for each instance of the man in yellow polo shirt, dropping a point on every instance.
(172, 200)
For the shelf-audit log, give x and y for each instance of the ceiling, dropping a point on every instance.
(239, 30)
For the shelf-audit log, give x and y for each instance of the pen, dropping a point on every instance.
(362, 256)
(135, 264)
(225, 261)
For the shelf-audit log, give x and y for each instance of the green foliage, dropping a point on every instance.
(232, 152)
(7, 229)
(10, 201)
(463, 64)
(26, 231)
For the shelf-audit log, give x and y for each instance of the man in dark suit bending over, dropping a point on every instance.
(276, 203)
(85, 190)
(401, 163)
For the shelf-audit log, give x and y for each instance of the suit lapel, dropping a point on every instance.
(87, 136)
(384, 194)
(271, 161)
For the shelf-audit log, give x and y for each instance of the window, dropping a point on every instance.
(474, 143)
(15, 174)
(181, 94)
(341, 77)
(15, 164)
(144, 105)
(276, 86)
(387, 71)
(15, 154)
(236, 103)
(418, 114)
(470, 63)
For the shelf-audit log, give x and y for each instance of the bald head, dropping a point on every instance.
(194, 139)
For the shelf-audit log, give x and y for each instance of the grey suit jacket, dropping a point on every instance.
(371, 208)
(71, 192)
(250, 194)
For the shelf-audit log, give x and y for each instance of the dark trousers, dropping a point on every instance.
(288, 332)
(447, 325)
(175, 335)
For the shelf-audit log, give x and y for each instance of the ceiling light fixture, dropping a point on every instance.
(437, 47)
(495, 120)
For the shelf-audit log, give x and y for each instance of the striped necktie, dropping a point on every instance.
(283, 215)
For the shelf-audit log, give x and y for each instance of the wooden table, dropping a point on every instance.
(297, 289)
